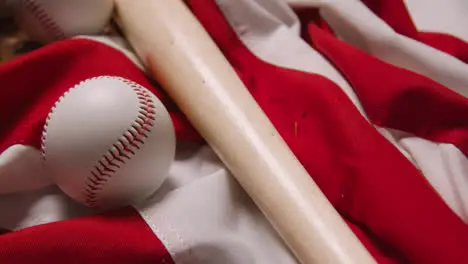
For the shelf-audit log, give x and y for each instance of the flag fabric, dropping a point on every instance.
(396, 15)
(367, 95)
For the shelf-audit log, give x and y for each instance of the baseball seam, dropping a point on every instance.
(121, 151)
(44, 18)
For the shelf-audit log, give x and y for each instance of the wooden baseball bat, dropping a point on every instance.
(184, 59)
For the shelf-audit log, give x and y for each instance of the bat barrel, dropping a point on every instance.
(182, 57)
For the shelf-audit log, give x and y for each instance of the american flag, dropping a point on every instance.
(370, 96)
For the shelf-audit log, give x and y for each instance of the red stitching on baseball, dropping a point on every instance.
(95, 179)
(115, 156)
(43, 17)
(93, 188)
(121, 149)
(111, 162)
(135, 136)
(124, 149)
(105, 167)
(126, 144)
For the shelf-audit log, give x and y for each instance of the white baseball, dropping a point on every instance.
(51, 20)
(108, 142)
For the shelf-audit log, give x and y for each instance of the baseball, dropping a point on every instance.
(108, 142)
(51, 20)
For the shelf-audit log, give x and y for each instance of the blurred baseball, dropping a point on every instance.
(51, 20)
(108, 142)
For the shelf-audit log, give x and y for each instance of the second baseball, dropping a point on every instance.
(51, 20)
